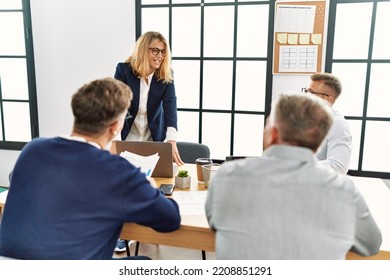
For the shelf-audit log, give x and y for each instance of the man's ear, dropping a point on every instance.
(274, 135)
(114, 128)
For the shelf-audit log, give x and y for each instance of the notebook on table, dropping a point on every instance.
(164, 167)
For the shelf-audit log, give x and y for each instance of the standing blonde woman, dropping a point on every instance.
(149, 75)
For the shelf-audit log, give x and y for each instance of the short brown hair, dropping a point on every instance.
(98, 103)
(329, 80)
(302, 120)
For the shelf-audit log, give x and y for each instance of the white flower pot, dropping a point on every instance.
(182, 182)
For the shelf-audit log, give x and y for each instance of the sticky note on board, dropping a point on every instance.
(282, 38)
(316, 39)
(304, 39)
(292, 39)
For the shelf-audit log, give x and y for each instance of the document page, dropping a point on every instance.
(147, 164)
(295, 18)
(191, 202)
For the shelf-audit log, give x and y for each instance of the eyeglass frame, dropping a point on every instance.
(156, 51)
(305, 90)
(128, 116)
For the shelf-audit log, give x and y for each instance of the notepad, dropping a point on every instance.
(191, 202)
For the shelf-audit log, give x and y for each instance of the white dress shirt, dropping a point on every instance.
(140, 129)
(336, 149)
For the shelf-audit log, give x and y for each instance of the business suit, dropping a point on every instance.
(161, 104)
(285, 205)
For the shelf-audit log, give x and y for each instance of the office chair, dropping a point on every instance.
(190, 151)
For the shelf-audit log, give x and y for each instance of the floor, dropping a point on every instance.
(161, 252)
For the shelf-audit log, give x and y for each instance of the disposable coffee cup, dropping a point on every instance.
(209, 171)
(199, 163)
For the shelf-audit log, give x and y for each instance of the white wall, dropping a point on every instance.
(74, 42)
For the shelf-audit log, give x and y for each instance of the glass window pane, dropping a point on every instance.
(252, 31)
(185, 1)
(217, 94)
(10, 4)
(151, 2)
(352, 32)
(248, 142)
(376, 146)
(186, 41)
(186, 74)
(13, 78)
(355, 128)
(217, 1)
(378, 96)
(12, 34)
(218, 31)
(381, 48)
(188, 126)
(17, 121)
(156, 19)
(250, 85)
(353, 80)
(216, 134)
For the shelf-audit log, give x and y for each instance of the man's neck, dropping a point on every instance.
(90, 139)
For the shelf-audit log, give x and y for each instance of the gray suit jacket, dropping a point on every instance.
(284, 205)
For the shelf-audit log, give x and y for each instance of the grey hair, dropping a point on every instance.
(302, 120)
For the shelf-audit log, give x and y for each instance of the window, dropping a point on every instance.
(358, 52)
(222, 62)
(18, 112)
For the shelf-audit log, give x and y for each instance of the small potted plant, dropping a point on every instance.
(182, 179)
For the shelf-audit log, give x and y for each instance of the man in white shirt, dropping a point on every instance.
(336, 149)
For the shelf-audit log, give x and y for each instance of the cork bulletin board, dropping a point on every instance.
(298, 37)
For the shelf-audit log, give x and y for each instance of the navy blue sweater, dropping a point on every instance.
(69, 200)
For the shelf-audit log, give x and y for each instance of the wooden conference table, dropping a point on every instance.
(3, 197)
(195, 233)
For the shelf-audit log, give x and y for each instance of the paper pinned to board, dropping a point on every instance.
(145, 163)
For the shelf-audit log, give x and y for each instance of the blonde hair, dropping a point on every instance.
(99, 103)
(302, 120)
(139, 62)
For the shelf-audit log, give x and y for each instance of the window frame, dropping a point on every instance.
(32, 96)
(368, 61)
(269, 59)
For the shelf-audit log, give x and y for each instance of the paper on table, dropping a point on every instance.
(191, 202)
(146, 163)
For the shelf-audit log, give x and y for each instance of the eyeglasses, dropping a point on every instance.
(128, 116)
(305, 90)
(156, 51)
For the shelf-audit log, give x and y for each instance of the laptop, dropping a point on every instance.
(164, 167)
